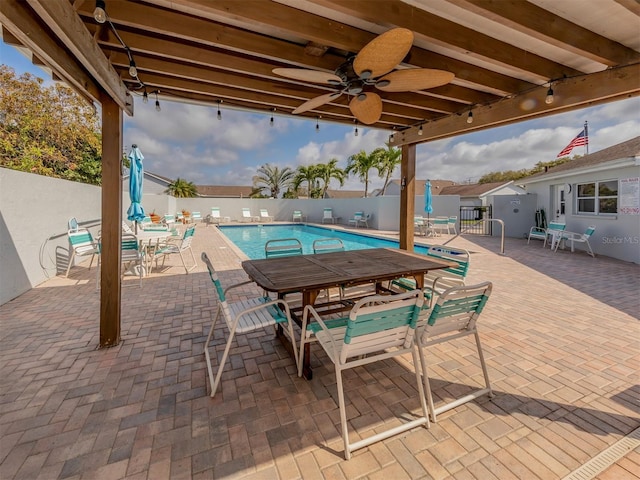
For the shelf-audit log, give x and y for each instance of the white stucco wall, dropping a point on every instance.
(34, 211)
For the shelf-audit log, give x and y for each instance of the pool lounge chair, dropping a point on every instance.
(328, 216)
(247, 217)
(216, 217)
(264, 215)
(577, 238)
(297, 216)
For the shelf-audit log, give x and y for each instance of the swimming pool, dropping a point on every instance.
(251, 239)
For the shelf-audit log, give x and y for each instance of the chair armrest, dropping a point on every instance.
(540, 230)
(236, 285)
(447, 281)
(305, 320)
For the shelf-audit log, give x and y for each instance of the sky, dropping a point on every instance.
(188, 141)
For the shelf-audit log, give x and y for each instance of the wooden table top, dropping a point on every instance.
(301, 273)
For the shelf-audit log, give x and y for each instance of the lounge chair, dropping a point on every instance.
(379, 327)
(546, 234)
(196, 217)
(439, 225)
(327, 216)
(453, 221)
(247, 217)
(577, 238)
(217, 218)
(455, 315)
(359, 218)
(244, 316)
(81, 244)
(297, 216)
(264, 215)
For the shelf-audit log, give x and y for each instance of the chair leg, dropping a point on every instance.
(483, 365)
(212, 381)
(420, 386)
(589, 249)
(73, 256)
(427, 385)
(343, 413)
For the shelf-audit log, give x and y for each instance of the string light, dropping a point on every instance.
(145, 96)
(470, 117)
(391, 138)
(271, 121)
(356, 131)
(133, 71)
(157, 101)
(219, 112)
(420, 130)
(99, 14)
(317, 124)
(549, 99)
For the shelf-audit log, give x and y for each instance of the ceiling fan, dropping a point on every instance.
(372, 66)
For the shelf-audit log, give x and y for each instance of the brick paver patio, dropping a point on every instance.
(561, 336)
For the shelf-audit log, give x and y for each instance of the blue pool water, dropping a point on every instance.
(251, 239)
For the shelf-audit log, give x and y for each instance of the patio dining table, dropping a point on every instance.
(311, 274)
(149, 240)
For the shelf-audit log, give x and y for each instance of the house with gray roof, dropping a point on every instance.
(601, 189)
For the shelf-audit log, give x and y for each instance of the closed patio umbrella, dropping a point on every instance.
(428, 207)
(136, 175)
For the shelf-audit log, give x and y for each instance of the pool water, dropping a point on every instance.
(251, 239)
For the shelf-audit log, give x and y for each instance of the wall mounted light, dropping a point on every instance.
(549, 99)
(100, 14)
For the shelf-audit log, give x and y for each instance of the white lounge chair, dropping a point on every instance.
(264, 215)
(328, 216)
(216, 217)
(297, 216)
(577, 238)
(248, 217)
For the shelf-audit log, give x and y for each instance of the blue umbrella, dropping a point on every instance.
(136, 175)
(428, 199)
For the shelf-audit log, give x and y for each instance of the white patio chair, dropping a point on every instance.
(217, 218)
(196, 217)
(546, 234)
(440, 225)
(163, 250)
(131, 258)
(264, 215)
(81, 243)
(452, 225)
(243, 317)
(378, 327)
(248, 217)
(573, 237)
(297, 216)
(455, 315)
(359, 218)
(327, 216)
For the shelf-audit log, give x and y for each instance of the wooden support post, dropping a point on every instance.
(110, 293)
(407, 195)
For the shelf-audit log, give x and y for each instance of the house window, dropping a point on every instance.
(598, 198)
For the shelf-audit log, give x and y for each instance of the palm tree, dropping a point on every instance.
(388, 159)
(360, 164)
(272, 178)
(306, 174)
(327, 171)
(181, 188)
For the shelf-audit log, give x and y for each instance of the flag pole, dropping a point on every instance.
(586, 136)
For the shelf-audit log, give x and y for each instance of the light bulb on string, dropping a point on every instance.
(470, 117)
(420, 130)
(317, 124)
(271, 121)
(145, 97)
(157, 102)
(549, 99)
(99, 14)
(133, 71)
(219, 112)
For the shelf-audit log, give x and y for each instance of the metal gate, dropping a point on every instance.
(471, 220)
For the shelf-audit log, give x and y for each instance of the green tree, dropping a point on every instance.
(387, 159)
(181, 188)
(273, 179)
(306, 174)
(328, 171)
(509, 175)
(360, 163)
(48, 130)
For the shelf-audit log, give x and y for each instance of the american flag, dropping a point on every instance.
(581, 139)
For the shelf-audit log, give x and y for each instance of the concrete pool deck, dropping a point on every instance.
(561, 336)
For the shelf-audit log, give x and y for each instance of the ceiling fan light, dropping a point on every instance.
(365, 74)
(362, 97)
(355, 90)
(382, 83)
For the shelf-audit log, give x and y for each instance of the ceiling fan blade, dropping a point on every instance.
(316, 102)
(366, 107)
(383, 53)
(313, 76)
(414, 79)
